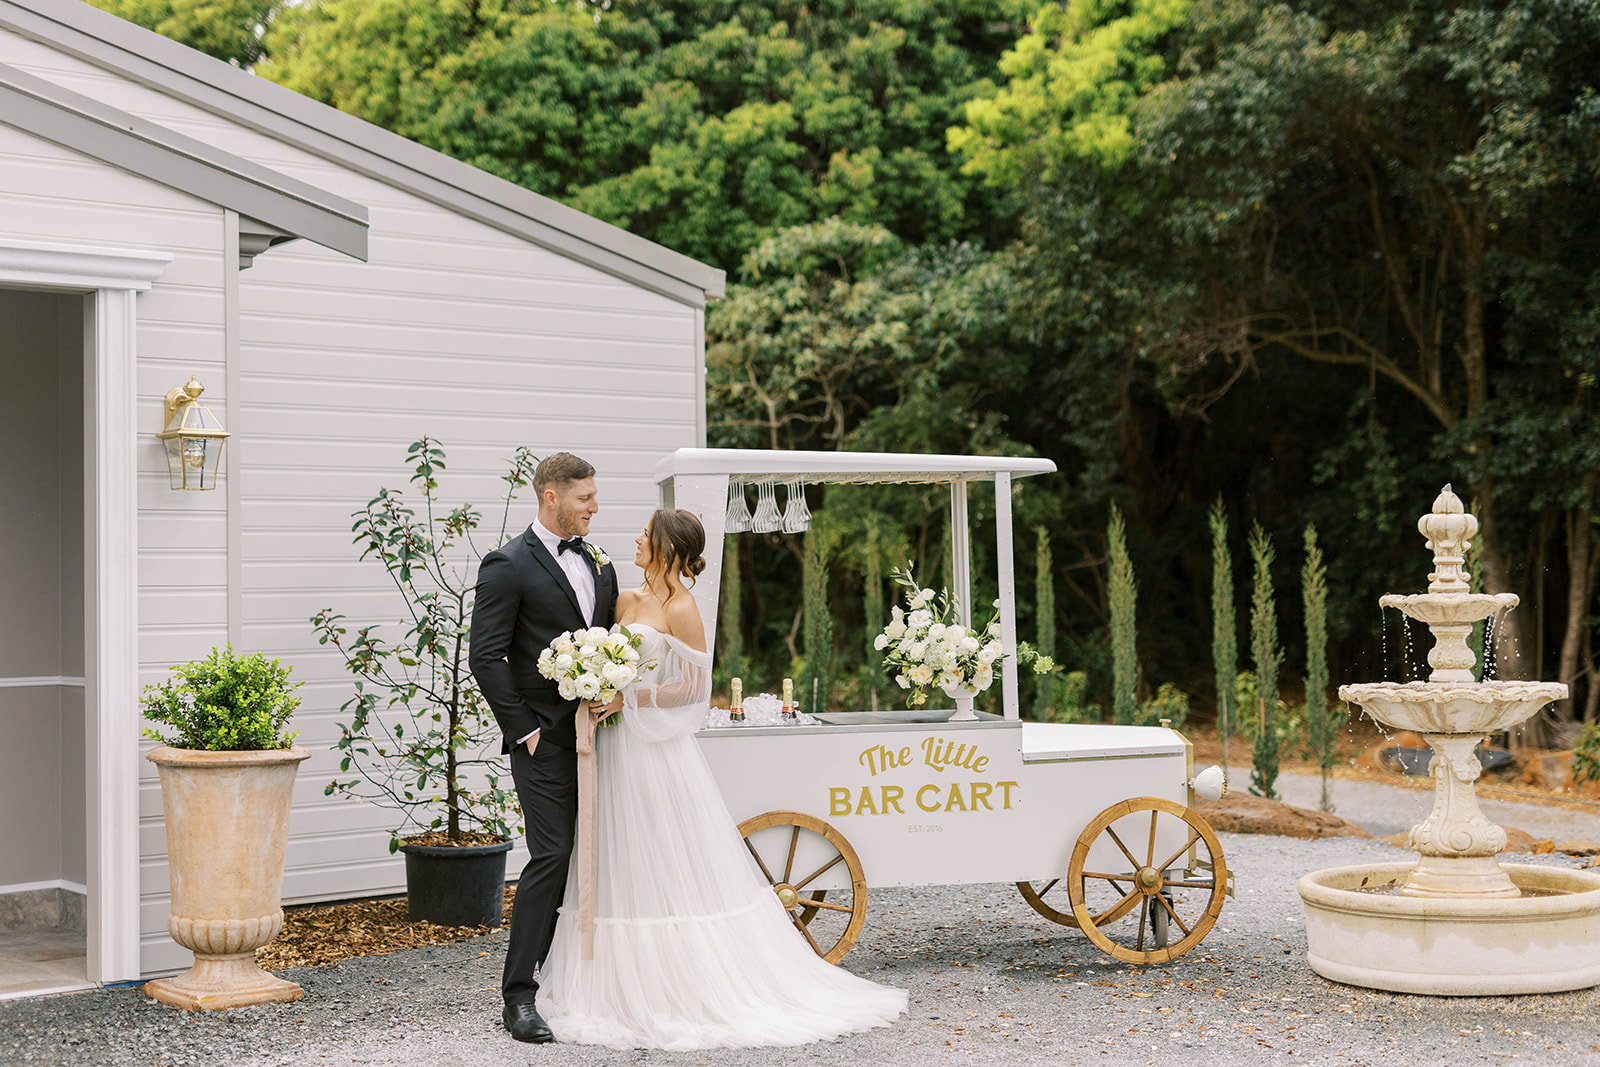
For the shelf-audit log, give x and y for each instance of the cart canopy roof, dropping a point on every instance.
(745, 465)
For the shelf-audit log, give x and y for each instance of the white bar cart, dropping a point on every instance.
(1094, 823)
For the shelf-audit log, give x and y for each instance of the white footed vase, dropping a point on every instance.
(227, 817)
(962, 695)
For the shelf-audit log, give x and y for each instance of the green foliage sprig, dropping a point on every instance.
(421, 736)
(1123, 594)
(1268, 657)
(224, 703)
(1224, 626)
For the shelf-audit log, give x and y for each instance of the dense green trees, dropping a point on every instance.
(1313, 258)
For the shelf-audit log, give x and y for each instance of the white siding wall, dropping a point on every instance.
(48, 193)
(455, 330)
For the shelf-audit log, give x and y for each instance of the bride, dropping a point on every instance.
(691, 947)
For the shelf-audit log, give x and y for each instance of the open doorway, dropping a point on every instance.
(43, 837)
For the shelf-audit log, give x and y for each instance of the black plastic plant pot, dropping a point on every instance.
(456, 885)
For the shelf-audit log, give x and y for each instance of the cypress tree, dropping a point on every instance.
(1224, 627)
(1314, 593)
(873, 608)
(1123, 594)
(1268, 656)
(732, 625)
(817, 681)
(1044, 600)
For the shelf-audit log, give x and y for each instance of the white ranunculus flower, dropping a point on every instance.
(562, 643)
(969, 644)
(567, 688)
(588, 686)
(937, 630)
(984, 678)
(919, 619)
(986, 656)
(949, 679)
(994, 628)
(880, 642)
(596, 635)
(563, 662)
(922, 674)
(617, 675)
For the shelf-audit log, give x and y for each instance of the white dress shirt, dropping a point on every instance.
(578, 568)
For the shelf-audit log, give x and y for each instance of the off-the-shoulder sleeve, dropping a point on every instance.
(671, 698)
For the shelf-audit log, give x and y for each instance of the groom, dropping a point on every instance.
(530, 590)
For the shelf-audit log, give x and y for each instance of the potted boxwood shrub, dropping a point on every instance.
(420, 738)
(227, 771)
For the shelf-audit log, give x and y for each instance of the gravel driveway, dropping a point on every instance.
(990, 981)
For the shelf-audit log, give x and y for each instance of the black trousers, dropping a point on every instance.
(547, 786)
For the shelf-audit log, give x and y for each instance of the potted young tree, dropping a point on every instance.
(421, 739)
(227, 776)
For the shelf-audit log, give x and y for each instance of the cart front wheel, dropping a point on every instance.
(1160, 867)
(834, 934)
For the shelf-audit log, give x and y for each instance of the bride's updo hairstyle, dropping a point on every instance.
(678, 539)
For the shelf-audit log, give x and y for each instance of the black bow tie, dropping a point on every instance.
(571, 544)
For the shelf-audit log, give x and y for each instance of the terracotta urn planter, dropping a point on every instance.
(227, 819)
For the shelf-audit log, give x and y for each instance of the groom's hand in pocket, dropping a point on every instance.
(532, 742)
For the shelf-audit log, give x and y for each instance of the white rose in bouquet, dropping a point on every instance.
(987, 655)
(969, 644)
(567, 688)
(563, 662)
(921, 674)
(589, 687)
(596, 635)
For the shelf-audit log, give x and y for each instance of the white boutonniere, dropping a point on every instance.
(597, 555)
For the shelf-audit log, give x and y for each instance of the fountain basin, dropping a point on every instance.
(1543, 943)
(1447, 708)
(1449, 609)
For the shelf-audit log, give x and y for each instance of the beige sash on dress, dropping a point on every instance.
(585, 724)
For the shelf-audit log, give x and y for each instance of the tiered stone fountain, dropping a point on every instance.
(1456, 922)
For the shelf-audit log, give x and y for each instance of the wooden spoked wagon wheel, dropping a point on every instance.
(835, 935)
(1041, 896)
(1132, 910)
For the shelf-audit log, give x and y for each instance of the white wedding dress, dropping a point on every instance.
(692, 949)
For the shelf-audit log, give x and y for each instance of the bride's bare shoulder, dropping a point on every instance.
(683, 622)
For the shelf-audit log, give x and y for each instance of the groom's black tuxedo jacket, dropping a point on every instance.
(523, 601)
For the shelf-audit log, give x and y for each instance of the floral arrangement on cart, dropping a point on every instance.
(925, 646)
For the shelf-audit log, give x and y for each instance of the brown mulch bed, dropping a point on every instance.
(315, 935)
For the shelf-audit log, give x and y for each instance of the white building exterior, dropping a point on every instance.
(390, 293)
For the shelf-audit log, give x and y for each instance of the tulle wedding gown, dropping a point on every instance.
(691, 948)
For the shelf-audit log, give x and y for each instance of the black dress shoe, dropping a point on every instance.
(526, 1024)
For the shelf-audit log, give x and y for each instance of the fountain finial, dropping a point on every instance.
(1448, 529)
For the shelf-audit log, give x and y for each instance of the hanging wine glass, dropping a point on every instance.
(766, 518)
(738, 516)
(796, 516)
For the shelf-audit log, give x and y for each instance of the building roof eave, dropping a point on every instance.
(84, 125)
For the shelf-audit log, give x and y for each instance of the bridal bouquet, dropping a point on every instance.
(924, 647)
(592, 664)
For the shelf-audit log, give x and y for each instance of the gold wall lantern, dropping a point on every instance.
(193, 438)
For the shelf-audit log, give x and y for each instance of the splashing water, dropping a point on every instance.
(1407, 674)
(1383, 638)
(1491, 666)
